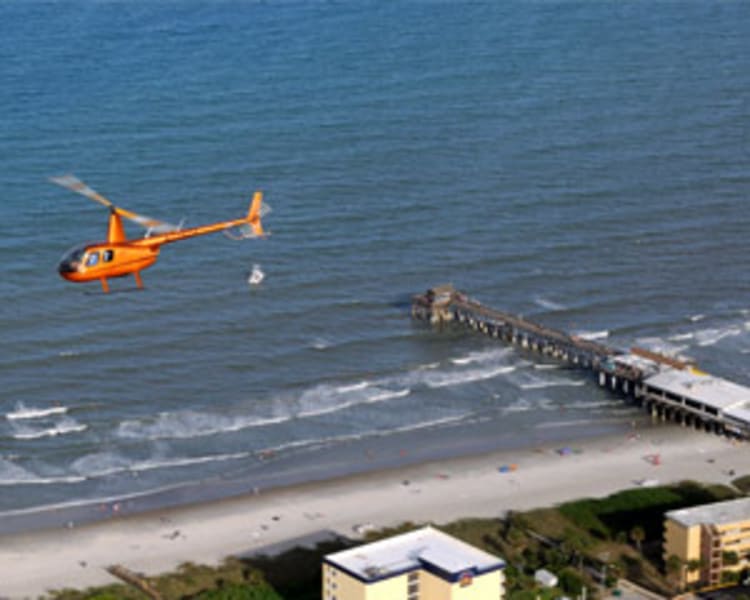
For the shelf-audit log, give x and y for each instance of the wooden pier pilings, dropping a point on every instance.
(444, 304)
(622, 373)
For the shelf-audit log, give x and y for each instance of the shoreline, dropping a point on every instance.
(335, 462)
(484, 485)
(437, 491)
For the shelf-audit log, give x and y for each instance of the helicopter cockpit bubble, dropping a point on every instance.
(72, 259)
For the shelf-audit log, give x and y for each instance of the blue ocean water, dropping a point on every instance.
(585, 164)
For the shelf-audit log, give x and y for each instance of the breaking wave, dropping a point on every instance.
(22, 412)
(106, 464)
(484, 356)
(190, 424)
(709, 337)
(377, 395)
(447, 379)
(548, 304)
(64, 427)
(593, 335)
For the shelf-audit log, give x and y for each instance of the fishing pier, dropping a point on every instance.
(669, 388)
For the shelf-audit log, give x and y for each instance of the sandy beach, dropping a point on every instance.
(438, 492)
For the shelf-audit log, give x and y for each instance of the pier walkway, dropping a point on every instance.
(669, 388)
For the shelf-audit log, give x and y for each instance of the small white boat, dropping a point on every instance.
(256, 276)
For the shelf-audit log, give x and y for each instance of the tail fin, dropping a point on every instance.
(253, 216)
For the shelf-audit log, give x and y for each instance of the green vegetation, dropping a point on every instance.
(617, 536)
(742, 484)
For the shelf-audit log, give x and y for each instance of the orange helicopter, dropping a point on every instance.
(119, 257)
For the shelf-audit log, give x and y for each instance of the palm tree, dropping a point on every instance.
(637, 535)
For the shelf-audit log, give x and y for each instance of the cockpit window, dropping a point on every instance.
(93, 259)
(108, 255)
(74, 255)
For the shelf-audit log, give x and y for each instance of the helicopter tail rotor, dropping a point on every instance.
(253, 227)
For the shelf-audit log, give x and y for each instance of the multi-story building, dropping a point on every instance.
(712, 541)
(425, 564)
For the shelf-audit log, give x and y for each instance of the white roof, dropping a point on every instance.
(413, 550)
(646, 365)
(718, 513)
(731, 398)
(635, 361)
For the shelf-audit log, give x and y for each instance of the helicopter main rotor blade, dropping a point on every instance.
(74, 184)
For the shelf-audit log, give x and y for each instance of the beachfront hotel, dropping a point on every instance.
(425, 564)
(712, 541)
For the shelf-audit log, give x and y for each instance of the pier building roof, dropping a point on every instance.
(423, 548)
(717, 513)
(730, 398)
(644, 365)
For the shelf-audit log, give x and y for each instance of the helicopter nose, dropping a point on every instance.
(66, 266)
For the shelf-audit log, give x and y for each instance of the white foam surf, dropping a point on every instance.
(343, 389)
(108, 465)
(709, 337)
(190, 424)
(320, 343)
(388, 395)
(522, 405)
(22, 412)
(324, 399)
(681, 337)
(548, 304)
(482, 357)
(593, 335)
(448, 379)
(64, 427)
